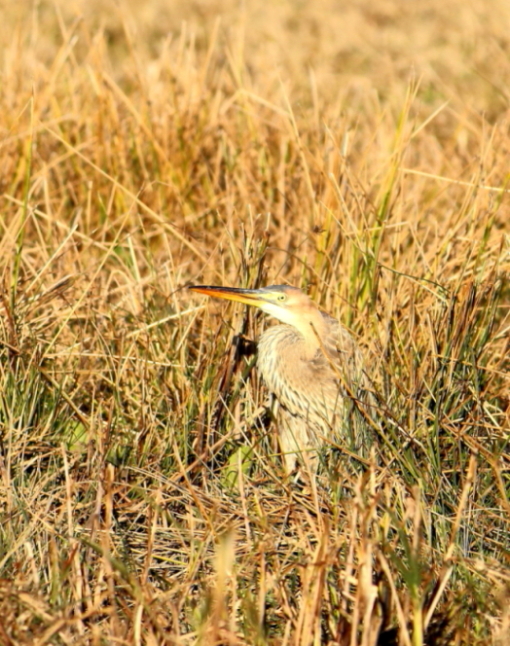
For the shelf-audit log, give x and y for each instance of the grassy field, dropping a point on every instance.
(357, 150)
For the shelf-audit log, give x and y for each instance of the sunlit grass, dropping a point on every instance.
(360, 154)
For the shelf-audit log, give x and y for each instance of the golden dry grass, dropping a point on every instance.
(357, 151)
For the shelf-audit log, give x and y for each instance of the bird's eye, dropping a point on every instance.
(282, 298)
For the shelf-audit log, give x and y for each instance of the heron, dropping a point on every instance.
(311, 365)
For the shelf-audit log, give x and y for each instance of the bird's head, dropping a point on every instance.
(287, 304)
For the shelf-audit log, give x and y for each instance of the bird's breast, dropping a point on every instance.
(303, 385)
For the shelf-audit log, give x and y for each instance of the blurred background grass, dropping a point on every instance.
(358, 151)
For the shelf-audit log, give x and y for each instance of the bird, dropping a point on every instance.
(313, 368)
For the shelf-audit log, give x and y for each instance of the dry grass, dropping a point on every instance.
(360, 153)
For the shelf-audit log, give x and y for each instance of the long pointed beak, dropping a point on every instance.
(247, 296)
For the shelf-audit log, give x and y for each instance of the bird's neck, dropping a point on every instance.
(312, 330)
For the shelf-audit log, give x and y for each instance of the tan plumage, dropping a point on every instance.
(311, 365)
